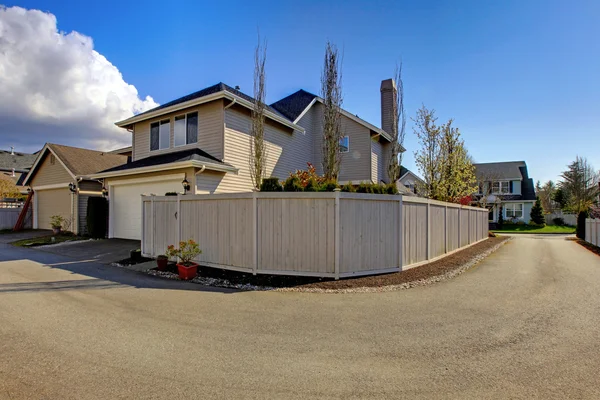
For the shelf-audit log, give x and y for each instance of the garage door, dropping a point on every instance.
(127, 206)
(53, 202)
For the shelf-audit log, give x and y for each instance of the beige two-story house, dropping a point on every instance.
(200, 144)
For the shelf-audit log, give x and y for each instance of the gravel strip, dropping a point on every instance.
(437, 271)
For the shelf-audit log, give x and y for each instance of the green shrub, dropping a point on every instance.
(329, 186)
(391, 188)
(97, 217)
(537, 213)
(171, 194)
(311, 185)
(292, 184)
(364, 187)
(271, 185)
(348, 188)
(500, 218)
(581, 217)
(560, 221)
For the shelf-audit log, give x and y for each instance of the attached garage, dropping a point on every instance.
(126, 205)
(51, 202)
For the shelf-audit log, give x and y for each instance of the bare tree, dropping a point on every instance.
(486, 197)
(257, 134)
(331, 91)
(398, 127)
(427, 157)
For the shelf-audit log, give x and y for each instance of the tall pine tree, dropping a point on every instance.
(537, 212)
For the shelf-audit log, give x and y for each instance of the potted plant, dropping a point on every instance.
(161, 262)
(56, 221)
(135, 255)
(186, 252)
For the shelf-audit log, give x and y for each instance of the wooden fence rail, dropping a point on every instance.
(592, 231)
(313, 234)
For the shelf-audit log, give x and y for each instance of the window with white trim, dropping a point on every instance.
(185, 129)
(501, 187)
(513, 210)
(344, 144)
(160, 135)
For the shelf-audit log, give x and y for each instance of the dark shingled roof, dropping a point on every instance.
(292, 106)
(21, 162)
(508, 170)
(184, 155)
(219, 87)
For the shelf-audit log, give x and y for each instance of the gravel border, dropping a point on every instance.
(224, 283)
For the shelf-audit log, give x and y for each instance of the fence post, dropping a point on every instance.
(153, 226)
(446, 230)
(254, 233)
(178, 217)
(336, 266)
(460, 209)
(143, 247)
(400, 233)
(428, 230)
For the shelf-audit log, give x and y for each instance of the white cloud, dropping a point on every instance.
(54, 87)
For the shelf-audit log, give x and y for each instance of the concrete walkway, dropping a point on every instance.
(523, 324)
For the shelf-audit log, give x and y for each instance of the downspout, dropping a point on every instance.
(196, 177)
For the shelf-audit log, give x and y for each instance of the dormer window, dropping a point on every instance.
(160, 135)
(501, 187)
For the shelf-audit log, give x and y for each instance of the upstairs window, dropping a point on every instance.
(344, 144)
(160, 133)
(186, 129)
(501, 187)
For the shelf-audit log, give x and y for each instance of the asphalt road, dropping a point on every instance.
(525, 323)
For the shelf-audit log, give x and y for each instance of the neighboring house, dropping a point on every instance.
(203, 140)
(15, 166)
(410, 180)
(60, 179)
(506, 185)
(124, 151)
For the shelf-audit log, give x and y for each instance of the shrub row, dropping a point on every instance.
(294, 184)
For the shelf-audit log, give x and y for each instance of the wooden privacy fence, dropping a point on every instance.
(592, 231)
(9, 217)
(313, 234)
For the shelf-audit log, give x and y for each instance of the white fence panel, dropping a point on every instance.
(592, 231)
(9, 217)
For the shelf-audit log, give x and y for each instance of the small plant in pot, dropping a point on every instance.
(56, 222)
(186, 252)
(161, 262)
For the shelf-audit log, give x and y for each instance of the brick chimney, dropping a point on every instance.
(388, 93)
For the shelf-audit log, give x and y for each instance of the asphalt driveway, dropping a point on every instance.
(522, 324)
(104, 251)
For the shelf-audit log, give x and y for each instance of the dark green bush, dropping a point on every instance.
(500, 218)
(364, 187)
(97, 217)
(391, 188)
(581, 217)
(537, 213)
(171, 194)
(560, 221)
(292, 184)
(329, 186)
(311, 185)
(349, 188)
(271, 185)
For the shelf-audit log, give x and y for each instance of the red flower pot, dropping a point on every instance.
(187, 272)
(161, 263)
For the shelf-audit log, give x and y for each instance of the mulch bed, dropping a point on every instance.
(589, 246)
(437, 268)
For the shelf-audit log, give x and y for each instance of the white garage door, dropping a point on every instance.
(127, 206)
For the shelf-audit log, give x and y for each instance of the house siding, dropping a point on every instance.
(355, 165)
(210, 132)
(286, 151)
(376, 162)
(50, 174)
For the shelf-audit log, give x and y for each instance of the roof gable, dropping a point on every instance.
(509, 170)
(77, 162)
(293, 105)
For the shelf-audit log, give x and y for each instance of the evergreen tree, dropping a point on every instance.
(537, 212)
(500, 218)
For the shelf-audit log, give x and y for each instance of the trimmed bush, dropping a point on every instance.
(348, 188)
(391, 188)
(171, 194)
(364, 188)
(271, 185)
(500, 218)
(292, 184)
(329, 186)
(311, 185)
(97, 217)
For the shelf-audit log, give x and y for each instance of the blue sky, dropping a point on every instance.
(520, 78)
